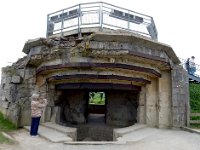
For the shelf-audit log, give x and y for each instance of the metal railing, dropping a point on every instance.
(196, 121)
(99, 15)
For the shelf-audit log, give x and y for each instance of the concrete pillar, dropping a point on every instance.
(141, 107)
(56, 114)
(48, 92)
(151, 103)
(180, 97)
(74, 106)
(165, 100)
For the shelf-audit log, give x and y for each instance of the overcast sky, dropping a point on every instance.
(177, 22)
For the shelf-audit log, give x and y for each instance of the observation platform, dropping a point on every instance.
(192, 77)
(99, 16)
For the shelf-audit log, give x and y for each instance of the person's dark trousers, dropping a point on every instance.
(34, 126)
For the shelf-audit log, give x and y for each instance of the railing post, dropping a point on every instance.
(79, 21)
(62, 25)
(101, 16)
(128, 20)
(47, 32)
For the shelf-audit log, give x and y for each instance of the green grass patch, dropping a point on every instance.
(5, 126)
(197, 126)
(195, 102)
(4, 140)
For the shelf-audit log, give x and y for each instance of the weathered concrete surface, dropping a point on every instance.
(121, 108)
(74, 107)
(141, 113)
(120, 132)
(115, 59)
(164, 105)
(155, 139)
(180, 97)
(151, 104)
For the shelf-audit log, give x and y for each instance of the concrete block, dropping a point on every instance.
(3, 110)
(48, 112)
(25, 117)
(165, 117)
(151, 116)
(16, 79)
(2, 98)
(141, 114)
(21, 72)
(56, 114)
(4, 104)
(35, 50)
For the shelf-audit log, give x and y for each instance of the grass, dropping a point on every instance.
(195, 102)
(4, 140)
(195, 126)
(195, 97)
(5, 126)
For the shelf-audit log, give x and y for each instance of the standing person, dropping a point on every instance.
(187, 65)
(192, 66)
(38, 103)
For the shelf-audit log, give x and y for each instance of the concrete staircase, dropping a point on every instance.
(93, 133)
(56, 133)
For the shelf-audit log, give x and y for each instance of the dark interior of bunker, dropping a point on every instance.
(96, 122)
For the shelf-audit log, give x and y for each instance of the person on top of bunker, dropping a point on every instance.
(190, 65)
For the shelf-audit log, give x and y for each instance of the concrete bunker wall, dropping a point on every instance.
(121, 108)
(111, 58)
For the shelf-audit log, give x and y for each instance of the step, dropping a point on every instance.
(138, 135)
(119, 132)
(71, 132)
(191, 130)
(52, 135)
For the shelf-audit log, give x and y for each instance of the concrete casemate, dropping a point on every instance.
(142, 79)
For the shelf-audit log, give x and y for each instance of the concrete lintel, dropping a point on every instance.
(99, 86)
(96, 77)
(100, 65)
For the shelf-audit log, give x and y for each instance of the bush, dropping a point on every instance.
(97, 98)
(194, 97)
